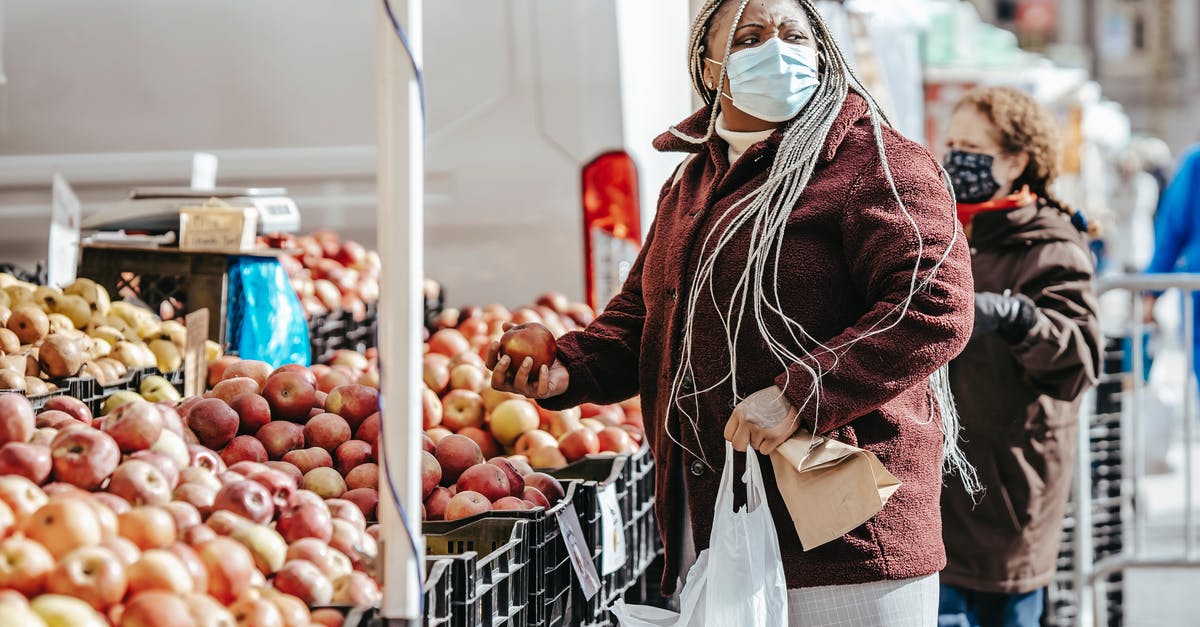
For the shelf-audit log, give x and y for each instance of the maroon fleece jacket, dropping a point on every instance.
(847, 263)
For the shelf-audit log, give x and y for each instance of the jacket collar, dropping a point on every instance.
(853, 110)
(1021, 227)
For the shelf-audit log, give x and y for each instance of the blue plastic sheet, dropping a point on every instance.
(265, 319)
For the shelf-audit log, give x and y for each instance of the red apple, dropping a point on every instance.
(468, 377)
(113, 502)
(21, 495)
(244, 448)
(330, 561)
(487, 444)
(487, 479)
(449, 342)
(148, 527)
(308, 458)
(93, 574)
(353, 402)
(350, 539)
(159, 569)
(258, 370)
(155, 608)
(193, 565)
(427, 444)
(435, 503)
(529, 340)
(356, 589)
(532, 440)
(462, 409)
(326, 617)
(287, 468)
(246, 467)
(547, 457)
(509, 503)
(369, 429)
(17, 421)
(579, 444)
(76, 408)
(55, 419)
(615, 440)
(216, 369)
(367, 500)
(302, 579)
(26, 460)
(363, 476)
(195, 536)
(329, 379)
(327, 431)
(290, 396)
(134, 426)
(305, 520)
(163, 463)
(455, 454)
(435, 370)
(185, 514)
(84, 457)
(253, 412)
(140, 483)
(214, 422)
(280, 485)
(431, 409)
(303, 371)
(279, 437)
(248, 499)
(535, 496)
(465, 505)
(431, 473)
(229, 566)
(547, 485)
(516, 481)
(347, 511)
(205, 459)
(256, 612)
(436, 434)
(230, 389)
(351, 454)
(24, 566)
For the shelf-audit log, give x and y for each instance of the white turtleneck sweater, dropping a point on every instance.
(739, 141)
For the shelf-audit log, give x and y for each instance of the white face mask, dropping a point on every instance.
(773, 81)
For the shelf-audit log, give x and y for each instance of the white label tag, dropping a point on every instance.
(195, 366)
(577, 549)
(62, 257)
(204, 171)
(612, 528)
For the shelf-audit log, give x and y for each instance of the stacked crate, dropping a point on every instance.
(1106, 501)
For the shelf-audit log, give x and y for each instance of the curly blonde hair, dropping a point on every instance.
(1025, 126)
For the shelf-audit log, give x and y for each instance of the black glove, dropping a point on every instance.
(1011, 316)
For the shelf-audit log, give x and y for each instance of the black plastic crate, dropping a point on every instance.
(438, 591)
(489, 571)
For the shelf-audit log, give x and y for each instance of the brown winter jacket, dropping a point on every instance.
(848, 262)
(1020, 403)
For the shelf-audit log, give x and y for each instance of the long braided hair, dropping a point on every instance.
(764, 212)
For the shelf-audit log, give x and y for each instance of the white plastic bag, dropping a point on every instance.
(738, 579)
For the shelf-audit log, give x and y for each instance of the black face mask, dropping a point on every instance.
(971, 173)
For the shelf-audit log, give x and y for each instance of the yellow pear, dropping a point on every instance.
(175, 331)
(100, 348)
(5, 301)
(19, 294)
(109, 334)
(118, 399)
(127, 353)
(60, 323)
(157, 389)
(212, 351)
(76, 308)
(47, 298)
(118, 369)
(167, 356)
(92, 292)
(6, 280)
(5, 312)
(147, 329)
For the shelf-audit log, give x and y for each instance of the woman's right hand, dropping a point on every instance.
(551, 380)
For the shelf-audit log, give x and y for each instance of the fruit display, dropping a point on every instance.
(329, 273)
(49, 334)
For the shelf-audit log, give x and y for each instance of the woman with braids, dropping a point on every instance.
(1033, 351)
(804, 270)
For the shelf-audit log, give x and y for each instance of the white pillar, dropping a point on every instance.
(401, 313)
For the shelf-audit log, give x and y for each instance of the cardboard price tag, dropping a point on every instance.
(577, 549)
(217, 228)
(612, 531)
(195, 364)
(62, 258)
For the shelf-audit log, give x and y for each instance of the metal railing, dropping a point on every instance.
(1090, 574)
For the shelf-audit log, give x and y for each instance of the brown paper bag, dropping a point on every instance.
(829, 487)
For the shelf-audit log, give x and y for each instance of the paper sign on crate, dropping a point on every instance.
(612, 528)
(217, 226)
(577, 550)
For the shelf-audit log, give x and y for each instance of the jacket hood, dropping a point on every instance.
(1021, 227)
(695, 125)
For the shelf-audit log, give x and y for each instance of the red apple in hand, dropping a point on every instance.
(290, 396)
(529, 340)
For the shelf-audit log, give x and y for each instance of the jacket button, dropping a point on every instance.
(697, 468)
(686, 386)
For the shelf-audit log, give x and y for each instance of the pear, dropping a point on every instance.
(7, 279)
(118, 399)
(128, 312)
(212, 351)
(60, 323)
(19, 294)
(5, 312)
(167, 356)
(64, 611)
(112, 335)
(75, 308)
(127, 353)
(147, 329)
(47, 298)
(119, 369)
(100, 348)
(97, 372)
(149, 359)
(5, 300)
(157, 389)
(35, 387)
(93, 293)
(10, 380)
(61, 356)
(175, 331)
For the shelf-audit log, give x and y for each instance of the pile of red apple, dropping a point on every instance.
(247, 506)
(330, 274)
(458, 400)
